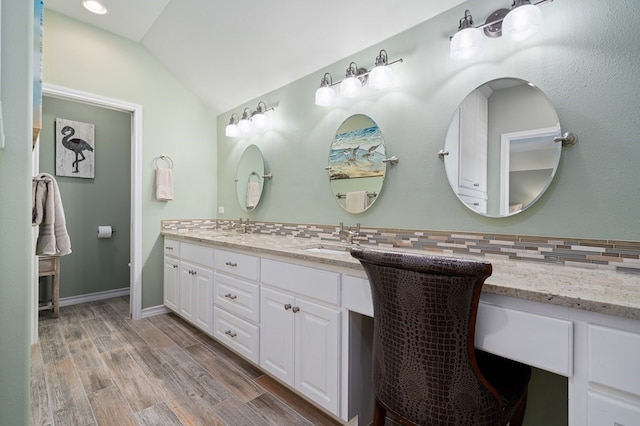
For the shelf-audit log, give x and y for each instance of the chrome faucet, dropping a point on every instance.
(347, 233)
(246, 226)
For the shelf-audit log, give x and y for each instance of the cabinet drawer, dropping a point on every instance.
(171, 247)
(613, 358)
(237, 334)
(197, 254)
(604, 410)
(356, 295)
(317, 283)
(533, 339)
(243, 265)
(236, 296)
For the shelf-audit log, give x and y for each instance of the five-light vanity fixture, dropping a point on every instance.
(380, 77)
(518, 23)
(249, 121)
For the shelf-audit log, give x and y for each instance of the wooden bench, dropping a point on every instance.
(50, 266)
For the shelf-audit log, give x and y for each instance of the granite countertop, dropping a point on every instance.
(607, 292)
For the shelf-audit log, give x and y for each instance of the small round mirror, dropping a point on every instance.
(356, 166)
(501, 150)
(250, 178)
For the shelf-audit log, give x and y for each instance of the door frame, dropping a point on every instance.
(135, 266)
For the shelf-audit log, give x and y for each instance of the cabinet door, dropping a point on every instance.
(203, 281)
(276, 334)
(171, 279)
(317, 353)
(187, 306)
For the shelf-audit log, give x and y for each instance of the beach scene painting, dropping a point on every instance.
(357, 150)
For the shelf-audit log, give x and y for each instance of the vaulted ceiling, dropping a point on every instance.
(229, 52)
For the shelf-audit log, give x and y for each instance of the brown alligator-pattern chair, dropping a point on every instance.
(426, 370)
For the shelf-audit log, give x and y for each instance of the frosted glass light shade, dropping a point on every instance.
(522, 22)
(381, 77)
(350, 87)
(325, 96)
(260, 121)
(466, 43)
(231, 131)
(244, 125)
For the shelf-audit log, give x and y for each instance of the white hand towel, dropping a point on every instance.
(53, 239)
(253, 194)
(357, 201)
(164, 184)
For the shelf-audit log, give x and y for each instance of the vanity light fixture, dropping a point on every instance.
(325, 95)
(354, 79)
(380, 77)
(518, 23)
(250, 120)
(258, 118)
(231, 130)
(94, 6)
(244, 125)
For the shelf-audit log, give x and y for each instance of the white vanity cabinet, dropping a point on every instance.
(236, 312)
(300, 332)
(606, 387)
(171, 274)
(188, 282)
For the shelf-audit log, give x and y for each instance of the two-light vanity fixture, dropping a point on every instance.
(250, 120)
(518, 23)
(380, 77)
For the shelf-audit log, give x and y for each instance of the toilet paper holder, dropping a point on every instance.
(105, 231)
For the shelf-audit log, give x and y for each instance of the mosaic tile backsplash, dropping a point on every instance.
(623, 256)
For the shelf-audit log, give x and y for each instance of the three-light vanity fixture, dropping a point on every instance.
(380, 77)
(249, 121)
(518, 23)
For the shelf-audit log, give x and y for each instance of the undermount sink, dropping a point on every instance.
(328, 248)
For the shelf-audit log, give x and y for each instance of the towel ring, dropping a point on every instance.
(165, 158)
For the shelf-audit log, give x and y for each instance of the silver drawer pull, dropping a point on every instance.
(231, 296)
(476, 184)
(230, 333)
(174, 266)
(287, 306)
(169, 248)
(232, 264)
(296, 309)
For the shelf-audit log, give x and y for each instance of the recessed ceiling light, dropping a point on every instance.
(94, 6)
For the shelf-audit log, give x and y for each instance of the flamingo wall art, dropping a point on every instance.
(75, 148)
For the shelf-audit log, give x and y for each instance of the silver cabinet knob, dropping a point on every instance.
(296, 309)
(287, 306)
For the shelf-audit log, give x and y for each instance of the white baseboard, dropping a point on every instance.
(91, 297)
(155, 310)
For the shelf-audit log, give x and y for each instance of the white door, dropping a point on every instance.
(317, 352)
(171, 279)
(276, 334)
(203, 282)
(187, 305)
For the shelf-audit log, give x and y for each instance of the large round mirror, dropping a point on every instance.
(356, 166)
(501, 150)
(250, 178)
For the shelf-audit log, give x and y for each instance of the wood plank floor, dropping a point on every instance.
(94, 366)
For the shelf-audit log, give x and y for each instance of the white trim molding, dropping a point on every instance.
(136, 178)
(92, 297)
(155, 310)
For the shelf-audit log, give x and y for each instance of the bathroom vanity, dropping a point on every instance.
(301, 309)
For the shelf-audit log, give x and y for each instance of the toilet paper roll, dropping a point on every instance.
(105, 231)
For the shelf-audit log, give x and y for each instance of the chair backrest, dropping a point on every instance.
(424, 361)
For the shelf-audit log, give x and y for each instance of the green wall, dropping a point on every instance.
(95, 265)
(175, 123)
(585, 60)
(16, 247)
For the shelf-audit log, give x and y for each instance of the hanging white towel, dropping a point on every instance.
(48, 213)
(253, 194)
(357, 201)
(164, 184)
